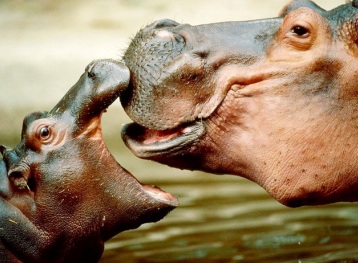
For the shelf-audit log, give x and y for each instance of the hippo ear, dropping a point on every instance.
(295, 4)
(354, 2)
(98, 87)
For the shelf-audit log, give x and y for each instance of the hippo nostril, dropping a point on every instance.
(160, 24)
(91, 75)
(203, 54)
(89, 70)
(164, 23)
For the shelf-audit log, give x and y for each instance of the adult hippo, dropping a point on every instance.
(272, 100)
(62, 192)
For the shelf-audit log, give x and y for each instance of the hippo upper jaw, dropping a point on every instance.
(176, 79)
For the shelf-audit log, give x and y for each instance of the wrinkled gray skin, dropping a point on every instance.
(272, 100)
(62, 192)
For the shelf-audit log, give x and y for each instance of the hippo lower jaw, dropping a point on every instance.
(165, 200)
(149, 143)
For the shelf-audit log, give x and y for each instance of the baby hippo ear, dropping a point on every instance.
(100, 85)
(353, 2)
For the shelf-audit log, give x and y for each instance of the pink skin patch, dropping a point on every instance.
(153, 136)
(159, 194)
(165, 34)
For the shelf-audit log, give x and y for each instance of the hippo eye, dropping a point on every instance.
(300, 31)
(44, 133)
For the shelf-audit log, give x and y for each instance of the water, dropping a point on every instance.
(229, 219)
(46, 45)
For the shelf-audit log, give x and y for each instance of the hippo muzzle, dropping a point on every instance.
(271, 100)
(174, 79)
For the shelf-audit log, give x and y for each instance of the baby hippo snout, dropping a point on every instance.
(108, 73)
(102, 83)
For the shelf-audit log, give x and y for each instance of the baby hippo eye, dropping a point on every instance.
(299, 31)
(44, 133)
(40, 133)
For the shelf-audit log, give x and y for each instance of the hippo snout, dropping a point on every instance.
(108, 73)
(156, 62)
(102, 82)
(182, 68)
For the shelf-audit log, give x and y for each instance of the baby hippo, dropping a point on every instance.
(62, 192)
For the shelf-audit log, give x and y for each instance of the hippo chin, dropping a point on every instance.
(62, 192)
(272, 100)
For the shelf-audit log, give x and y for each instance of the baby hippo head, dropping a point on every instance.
(63, 185)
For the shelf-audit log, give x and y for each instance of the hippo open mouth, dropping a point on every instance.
(277, 98)
(148, 142)
(63, 169)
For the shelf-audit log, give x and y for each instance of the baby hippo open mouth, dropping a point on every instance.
(62, 192)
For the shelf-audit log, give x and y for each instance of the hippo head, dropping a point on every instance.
(62, 192)
(272, 100)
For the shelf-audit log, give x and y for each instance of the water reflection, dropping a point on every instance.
(229, 219)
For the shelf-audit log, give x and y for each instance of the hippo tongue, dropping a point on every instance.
(146, 143)
(160, 195)
(150, 136)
